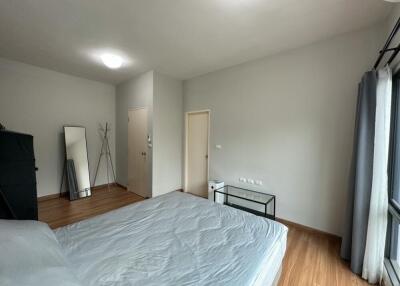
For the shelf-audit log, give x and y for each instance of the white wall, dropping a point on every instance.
(163, 96)
(288, 120)
(134, 93)
(167, 134)
(40, 102)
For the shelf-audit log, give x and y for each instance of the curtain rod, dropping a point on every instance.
(386, 48)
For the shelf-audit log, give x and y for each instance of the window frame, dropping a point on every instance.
(393, 225)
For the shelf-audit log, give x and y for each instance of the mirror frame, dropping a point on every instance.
(75, 196)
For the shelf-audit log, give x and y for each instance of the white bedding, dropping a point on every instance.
(31, 255)
(175, 239)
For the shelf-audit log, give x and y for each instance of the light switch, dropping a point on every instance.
(218, 146)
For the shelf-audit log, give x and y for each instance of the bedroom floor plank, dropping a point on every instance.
(60, 211)
(312, 258)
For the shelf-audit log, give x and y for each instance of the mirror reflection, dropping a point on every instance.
(77, 165)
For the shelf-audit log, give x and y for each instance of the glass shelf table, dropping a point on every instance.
(257, 203)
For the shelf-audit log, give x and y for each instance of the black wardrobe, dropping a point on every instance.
(18, 199)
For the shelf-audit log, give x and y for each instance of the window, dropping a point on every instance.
(393, 246)
(392, 253)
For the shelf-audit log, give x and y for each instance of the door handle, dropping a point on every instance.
(206, 156)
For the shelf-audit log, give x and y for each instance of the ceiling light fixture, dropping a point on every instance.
(111, 61)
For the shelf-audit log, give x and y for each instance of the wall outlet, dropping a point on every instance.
(250, 181)
(259, 182)
(243, 180)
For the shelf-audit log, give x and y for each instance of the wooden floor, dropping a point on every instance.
(312, 258)
(60, 211)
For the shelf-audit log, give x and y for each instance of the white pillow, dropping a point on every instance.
(30, 255)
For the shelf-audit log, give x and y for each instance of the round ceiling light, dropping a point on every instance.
(111, 61)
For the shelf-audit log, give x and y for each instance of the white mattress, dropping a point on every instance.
(175, 239)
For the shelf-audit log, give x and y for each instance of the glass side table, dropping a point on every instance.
(257, 203)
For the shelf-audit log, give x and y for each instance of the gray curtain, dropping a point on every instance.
(360, 180)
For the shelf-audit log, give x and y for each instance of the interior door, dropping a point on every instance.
(197, 153)
(138, 152)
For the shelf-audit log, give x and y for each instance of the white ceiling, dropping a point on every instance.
(181, 38)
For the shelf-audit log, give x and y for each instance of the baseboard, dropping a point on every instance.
(52, 196)
(307, 228)
(65, 194)
(104, 186)
(121, 186)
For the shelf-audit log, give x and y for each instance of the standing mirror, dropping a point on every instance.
(77, 165)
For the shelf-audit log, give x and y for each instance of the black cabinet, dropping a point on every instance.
(18, 195)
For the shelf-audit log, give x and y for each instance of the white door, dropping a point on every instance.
(137, 152)
(197, 153)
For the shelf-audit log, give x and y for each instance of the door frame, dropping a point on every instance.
(185, 176)
(149, 176)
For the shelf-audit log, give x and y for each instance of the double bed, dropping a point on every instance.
(174, 239)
